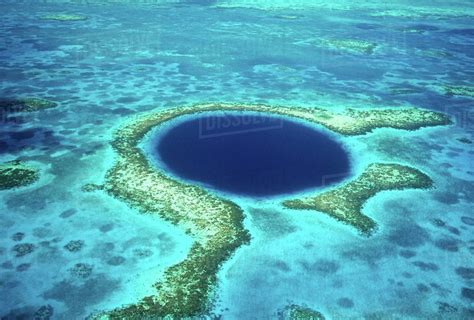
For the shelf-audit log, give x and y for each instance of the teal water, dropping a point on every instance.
(131, 57)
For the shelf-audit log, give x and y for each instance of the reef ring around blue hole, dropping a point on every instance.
(254, 155)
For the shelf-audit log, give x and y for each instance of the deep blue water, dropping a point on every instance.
(252, 155)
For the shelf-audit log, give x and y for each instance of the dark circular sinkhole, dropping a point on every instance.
(251, 154)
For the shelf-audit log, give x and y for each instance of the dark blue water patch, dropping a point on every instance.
(251, 155)
(367, 26)
(462, 32)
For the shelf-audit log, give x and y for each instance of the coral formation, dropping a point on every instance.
(354, 46)
(90, 187)
(63, 17)
(404, 90)
(420, 12)
(15, 174)
(81, 270)
(349, 45)
(376, 8)
(18, 236)
(44, 313)
(464, 140)
(466, 91)
(25, 105)
(215, 224)
(74, 245)
(23, 249)
(345, 203)
(295, 312)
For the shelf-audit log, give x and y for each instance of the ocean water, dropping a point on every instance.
(131, 57)
(252, 155)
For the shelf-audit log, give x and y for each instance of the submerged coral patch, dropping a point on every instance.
(25, 105)
(23, 249)
(63, 17)
(466, 91)
(345, 203)
(423, 12)
(17, 174)
(296, 312)
(350, 45)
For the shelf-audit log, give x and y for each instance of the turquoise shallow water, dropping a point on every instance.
(128, 58)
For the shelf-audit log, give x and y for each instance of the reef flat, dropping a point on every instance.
(63, 17)
(25, 105)
(16, 174)
(215, 224)
(346, 202)
(295, 312)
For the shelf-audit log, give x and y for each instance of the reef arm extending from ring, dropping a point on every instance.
(215, 224)
(345, 203)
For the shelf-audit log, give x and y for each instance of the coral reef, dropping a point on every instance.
(25, 105)
(349, 45)
(74, 245)
(15, 174)
(18, 236)
(215, 224)
(44, 313)
(63, 17)
(81, 270)
(420, 12)
(23, 249)
(353, 46)
(295, 312)
(404, 90)
(375, 8)
(345, 203)
(90, 187)
(464, 140)
(465, 91)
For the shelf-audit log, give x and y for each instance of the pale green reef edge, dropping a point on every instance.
(216, 224)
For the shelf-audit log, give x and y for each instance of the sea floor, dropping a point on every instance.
(83, 253)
